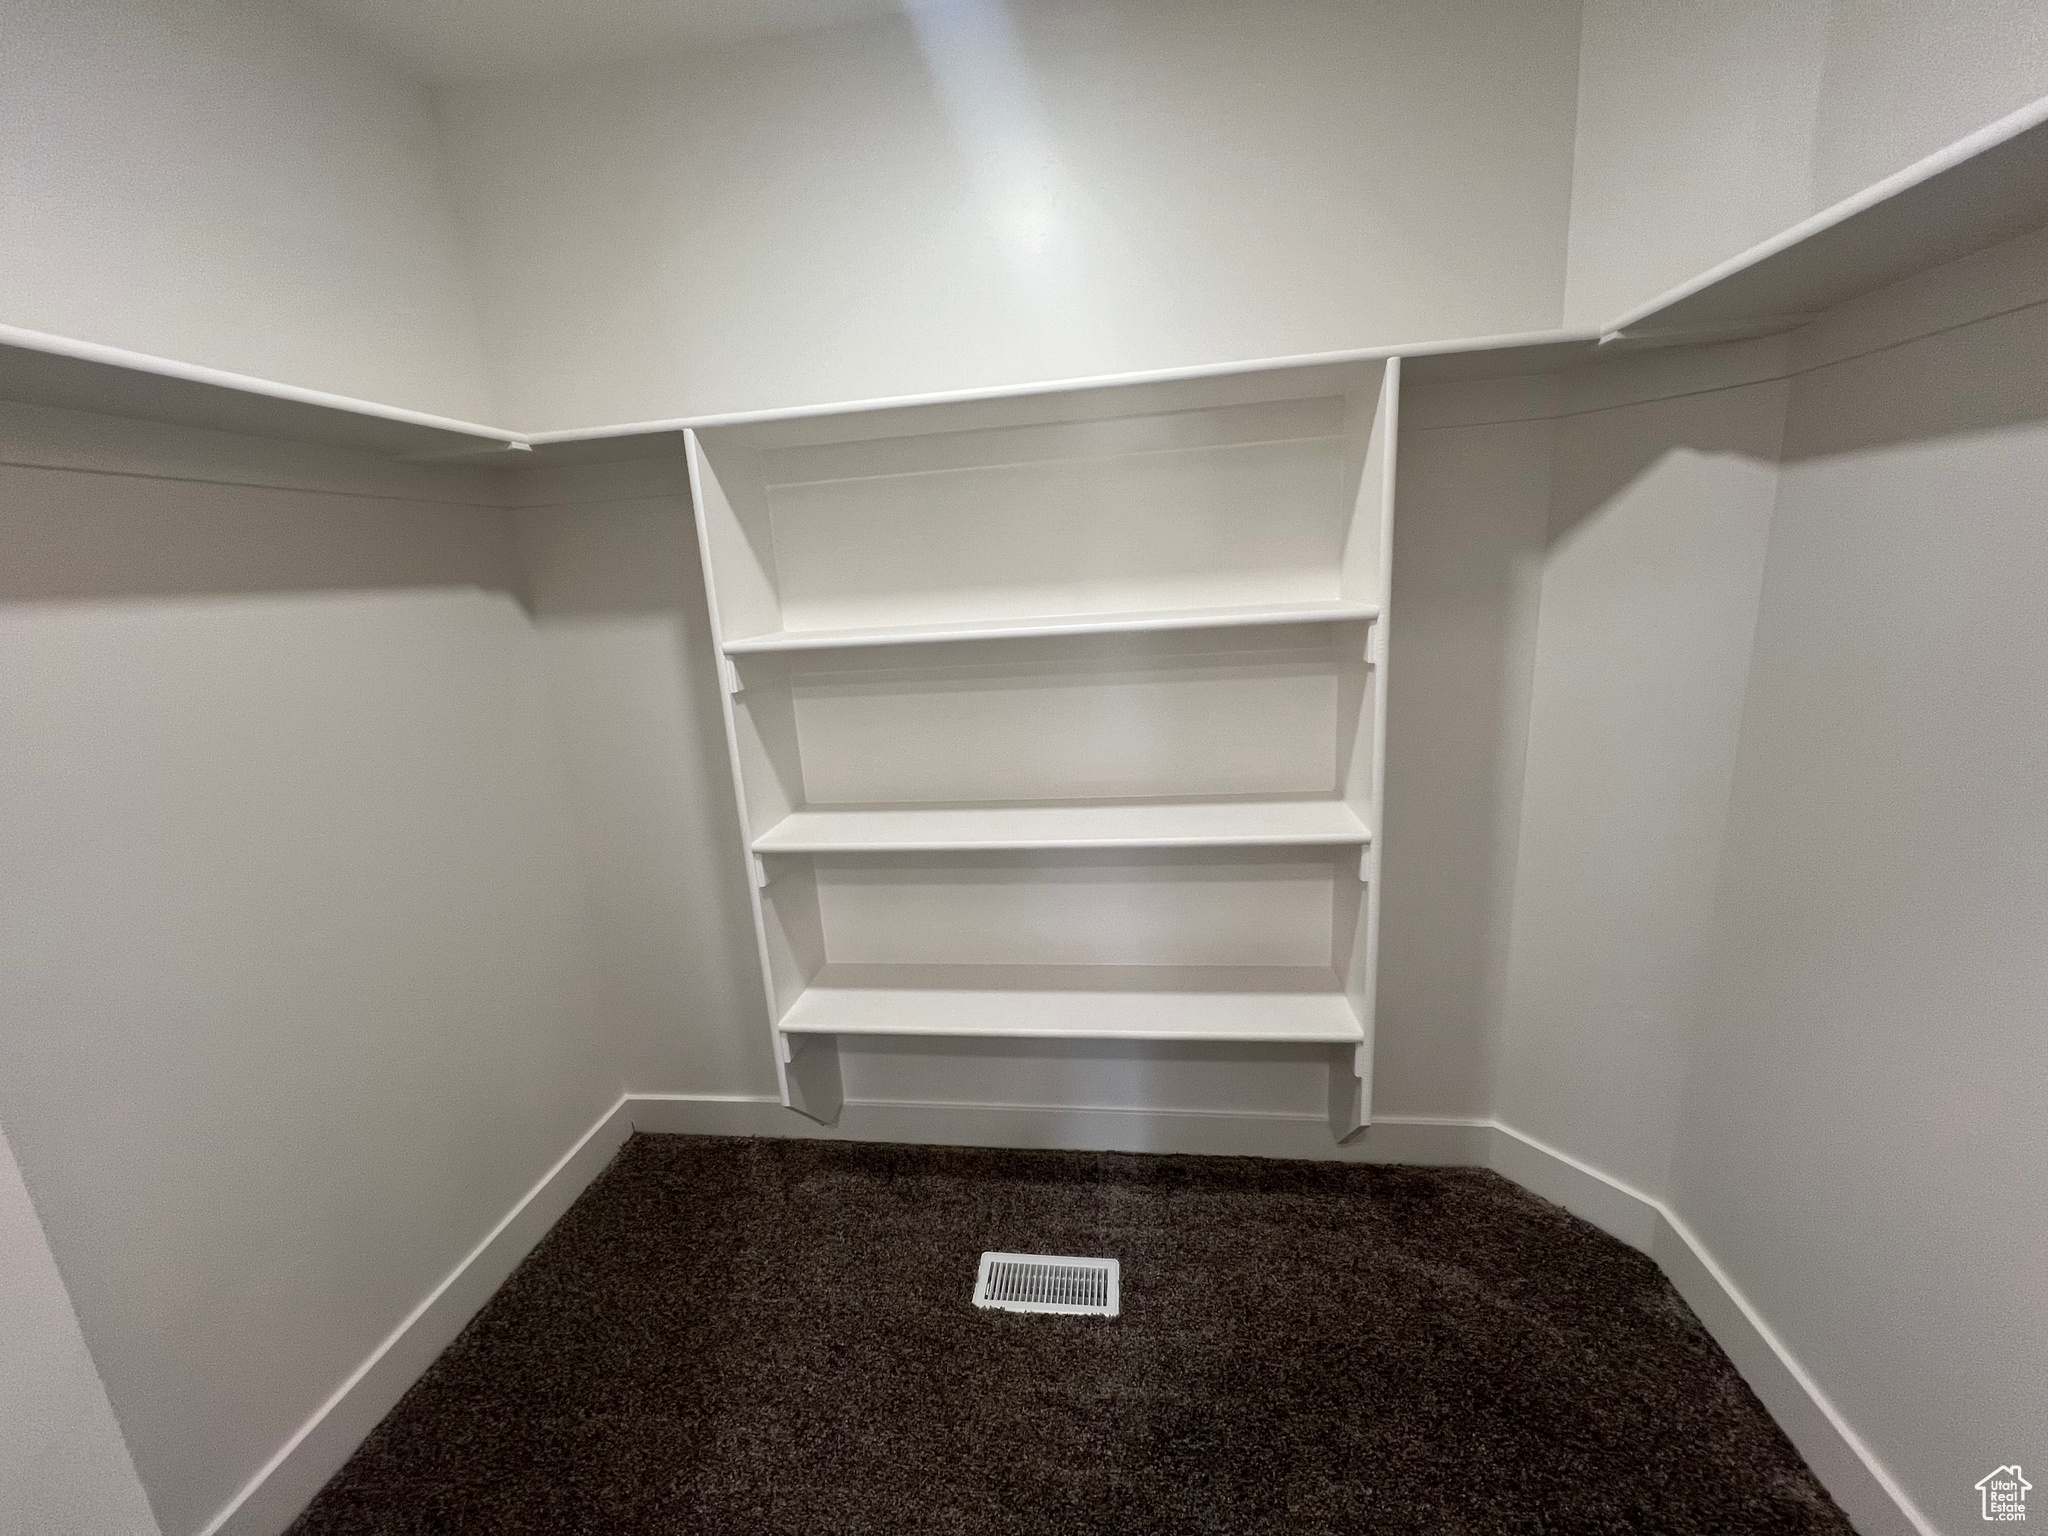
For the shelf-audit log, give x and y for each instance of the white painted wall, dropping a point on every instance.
(295, 994)
(1783, 869)
(1472, 510)
(1658, 519)
(1040, 191)
(1703, 129)
(1694, 140)
(1905, 78)
(226, 182)
(1861, 1140)
(63, 1463)
(625, 645)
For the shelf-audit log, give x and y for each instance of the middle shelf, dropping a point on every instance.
(1232, 821)
(1195, 736)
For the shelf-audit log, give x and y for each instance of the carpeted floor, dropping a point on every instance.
(776, 1337)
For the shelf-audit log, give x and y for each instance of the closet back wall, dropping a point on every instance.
(1013, 193)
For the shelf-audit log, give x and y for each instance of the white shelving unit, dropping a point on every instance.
(1059, 714)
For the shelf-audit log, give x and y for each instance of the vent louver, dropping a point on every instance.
(1044, 1282)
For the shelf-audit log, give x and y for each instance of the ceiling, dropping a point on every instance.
(442, 42)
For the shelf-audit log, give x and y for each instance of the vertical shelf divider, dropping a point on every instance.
(806, 1072)
(1357, 933)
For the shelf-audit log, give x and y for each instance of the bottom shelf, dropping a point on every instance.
(1281, 1005)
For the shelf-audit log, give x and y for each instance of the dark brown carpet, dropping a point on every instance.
(731, 1337)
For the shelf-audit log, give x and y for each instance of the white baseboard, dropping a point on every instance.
(1581, 1189)
(1872, 1498)
(272, 1499)
(1441, 1142)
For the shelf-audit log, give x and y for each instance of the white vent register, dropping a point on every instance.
(1044, 1282)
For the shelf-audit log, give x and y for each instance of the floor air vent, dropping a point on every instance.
(1045, 1282)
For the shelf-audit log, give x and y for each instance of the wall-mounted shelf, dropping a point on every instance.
(1218, 823)
(40, 369)
(1278, 1005)
(1241, 616)
(1059, 715)
(1988, 187)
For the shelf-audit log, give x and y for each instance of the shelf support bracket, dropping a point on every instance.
(484, 452)
(1350, 1090)
(729, 674)
(810, 1075)
(758, 868)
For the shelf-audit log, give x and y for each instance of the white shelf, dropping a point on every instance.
(40, 369)
(1281, 1005)
(1986, 187)
(1236, 617)
(1099, 824)
(1980, 190)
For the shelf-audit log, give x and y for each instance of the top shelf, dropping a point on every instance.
(1987, 187)
(1983, 189)
(1236, 617)
(58, 371)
